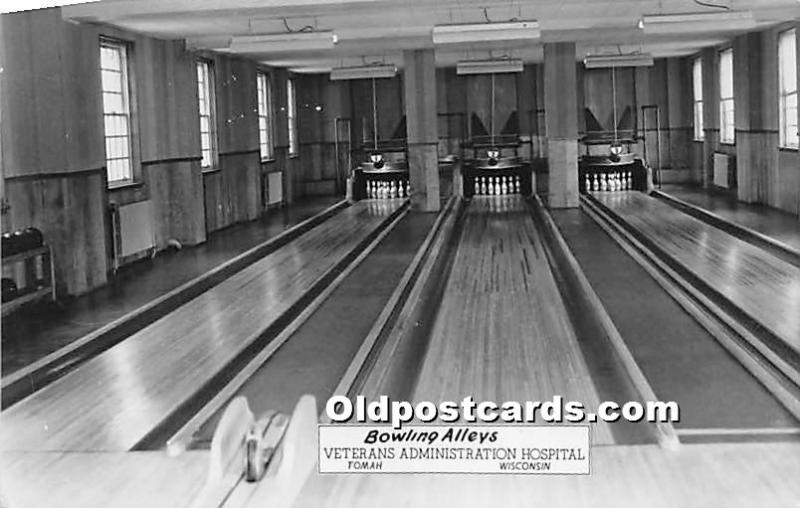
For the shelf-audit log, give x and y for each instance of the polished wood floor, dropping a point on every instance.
(115, 399)
(100, 480)
(766, 288)
(502, 332)
(698, 476)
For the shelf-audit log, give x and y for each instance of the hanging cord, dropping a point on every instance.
(491, 118)
(307, 28)
(374, 116)
(716, 6)
(614, 99)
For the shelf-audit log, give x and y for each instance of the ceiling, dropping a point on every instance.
(379, 30)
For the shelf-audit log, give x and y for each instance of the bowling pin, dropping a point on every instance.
(603, 183)
(477, 186)
(504, 186)
(586, 184)
(516, 185)
(408, 189)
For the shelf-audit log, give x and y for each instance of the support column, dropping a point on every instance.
(561, 120)
(755, 153)
(420, 102)
(710, 112)
(280, 77)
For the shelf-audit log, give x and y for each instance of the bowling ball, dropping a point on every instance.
(9, 245)
(20, 241)
(492, 161)
(36, 238)
(379, 164)
(9, 289)
(24, 239)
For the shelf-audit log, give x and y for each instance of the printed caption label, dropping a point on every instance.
(511, 449)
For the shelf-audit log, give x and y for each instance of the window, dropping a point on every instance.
(697, 84)
(264, 116)
(726, 122)
(208, 127)
(116, 111)
(291, 116)
(787, 81)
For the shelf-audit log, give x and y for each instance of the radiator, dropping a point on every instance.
(132, 229)
(274, 188)
(721, 165)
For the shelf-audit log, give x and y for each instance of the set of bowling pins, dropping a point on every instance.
(608, 182)
(497, 185)
(388, 190)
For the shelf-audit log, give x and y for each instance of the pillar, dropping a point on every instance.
(755, 153)
(710, 63)
(561, 121)
(421, 125)
(281, 139)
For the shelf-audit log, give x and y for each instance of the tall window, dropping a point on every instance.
(208, 127)
(726, 123)
(697, 84)
(116, 111)
(291, 115)
(787, 79)
(264, 116)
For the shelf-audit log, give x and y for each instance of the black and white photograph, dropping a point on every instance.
(395, 254)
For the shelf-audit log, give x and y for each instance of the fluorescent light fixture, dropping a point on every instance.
(479, 32)
(697, 22)
(629, 60)
(364, 72)
(290, 41)
(488, 66)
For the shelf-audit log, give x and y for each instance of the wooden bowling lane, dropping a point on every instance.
(114, 400)
(712, 475)
(764, 287)
(502, 331)
(100, 480)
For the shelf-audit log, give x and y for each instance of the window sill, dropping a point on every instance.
(728, 143)
(294, 155)
(210, 171)
(699, 140)
(270, 159)
(118, 186)
(788, 149)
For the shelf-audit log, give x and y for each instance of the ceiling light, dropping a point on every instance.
(697, 22)
(479, 32)
(364, 72)
(628, 60)
(489, 66)
(290, 41)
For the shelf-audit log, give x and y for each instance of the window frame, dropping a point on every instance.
(726, 101)
(784, 95)
(291, 117)
(697, 98)
(128, 99)
(266, 139)
(207, 66)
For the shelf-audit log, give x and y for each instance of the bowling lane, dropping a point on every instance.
(740, 475)
(317, 355)
(764, 287)
(502, 331)
(114, 400)
(681, 360)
